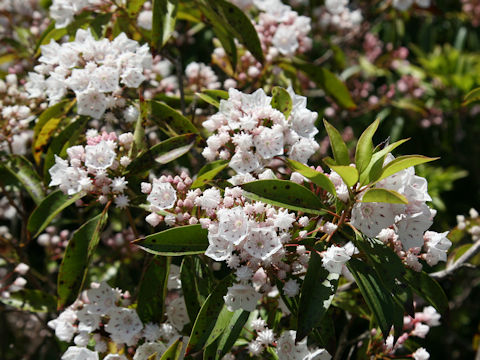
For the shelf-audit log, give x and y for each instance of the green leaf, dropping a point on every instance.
(31, 300)
(349, 174)
(374, 168)
(134, 6)
(472, 96)
(46, 211)
(174, 352)
(316, 295)
(50, 33)
(339, 148)
(316, 177)
(282, 101)
(171, 118)
(77, 257)
(24, 171)
(231, 333)
(221, 323)
(364, 151)
(208, 172)
(375, 294)
(182, 240)
(227, 40)
(403, 162)
(46, 124)
(162, 153)
(427, 288)
(197, 283)
(284, 193)
(163, 23)
(153, 289)
(384, 196)
(62, 141)
(223, 14)
(206, 319)
(328, 81)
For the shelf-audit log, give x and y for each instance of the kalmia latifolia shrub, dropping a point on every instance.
(170, 188)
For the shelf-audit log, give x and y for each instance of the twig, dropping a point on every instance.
(343, 341)
(461, 262)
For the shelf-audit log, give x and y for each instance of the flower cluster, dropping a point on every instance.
(403, 226)
(64, 11)
(248, 127)
(286, 346)
(338, 15)
(102, 315)
(95, 70)
(282, 32)
(11, 280)
(92, 168)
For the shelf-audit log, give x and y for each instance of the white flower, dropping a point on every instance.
(115, 357)
(105, 79)
(265, 337)
(437, 245)
(421, 354)
(412, 226)
(119, 184)
(91, 102)
(57, 171)
(402, 5)
(146, 350)
(99, 156)
(287, 349)
(269, 143)
(102, 299)
(162, 196)
(218, 249)
(79, 353)
(291, 288)
(334, 258)
(244, 162)
(177, 313)
(303, 149)
(151, 332)
(371, 218)
(255, 348)
(122, 201)
(283, 220)
(232, 224)
(209, 200)
(88, 321)
(132, 77)
(241, 296)
(421, 330)
(124, 325)
(262, 243)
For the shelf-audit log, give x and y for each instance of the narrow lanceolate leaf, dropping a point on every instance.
(231, 333)
(364, 151)
(472, 96)
(339, 148)
(316, 177)
(77, 258)
(153, 289)
(23, 170)
(62, 141)
(329, 82)
(178, 241)
(375, 294)
(197, 284)
(236, 23)
(46, 211)
(206, 319)
(427, 288)
(174, 352)
(46, 124)
(316, 295)
(162, 153)
(171, 118)
(374, 168)
(31, 300)
(213, 97)
(284, 193)
(349, 174)
(163, 23)
(208, 172)
(403, 162)
(384, 195)
(221, 322)
(281, 101)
